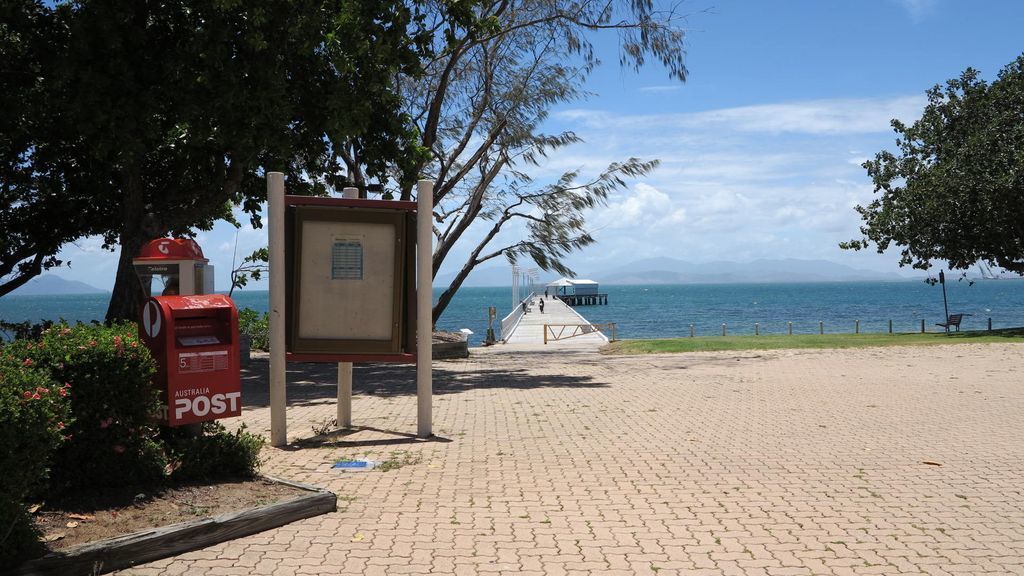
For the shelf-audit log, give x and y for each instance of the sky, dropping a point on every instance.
(760, 148)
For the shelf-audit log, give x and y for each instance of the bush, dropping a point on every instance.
(112, 439)
(216, 454)
(34, 418)
(251, 323)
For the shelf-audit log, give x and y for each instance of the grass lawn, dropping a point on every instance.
(715, 343)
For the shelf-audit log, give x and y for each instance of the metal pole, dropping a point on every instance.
(275, 264)
(990, 324)
(757, 329)
(691, 330)
(890, 325)
(945, 304)
(821, 327)
(856, 326)
(723, 329)
(922, 325)
(424, 303)
(790, 328)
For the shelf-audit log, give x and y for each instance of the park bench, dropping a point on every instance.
(952, 321)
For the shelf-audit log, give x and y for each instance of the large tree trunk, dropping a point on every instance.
(126, 299)
(446, 297)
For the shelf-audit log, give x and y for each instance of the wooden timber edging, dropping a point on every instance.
(130, 550)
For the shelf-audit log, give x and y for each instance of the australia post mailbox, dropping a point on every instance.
(194, 340)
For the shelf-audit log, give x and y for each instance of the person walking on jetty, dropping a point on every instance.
(541, 305)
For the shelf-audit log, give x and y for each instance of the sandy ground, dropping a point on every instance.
(868, 461)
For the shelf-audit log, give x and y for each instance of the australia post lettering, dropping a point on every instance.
(198, 402)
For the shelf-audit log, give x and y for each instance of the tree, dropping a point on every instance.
(954, 191)
(169, 111)
(37, 213)
(479, 109)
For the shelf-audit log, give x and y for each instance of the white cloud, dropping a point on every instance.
(838, 116)
(765, 181)
(917, 9)
(661, 88)
(644, 208)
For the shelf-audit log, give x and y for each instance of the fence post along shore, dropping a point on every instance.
(884, 326)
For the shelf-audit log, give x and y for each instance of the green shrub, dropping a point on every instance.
(256, 326)
(34, 418)
(112, 439)
(216, 454)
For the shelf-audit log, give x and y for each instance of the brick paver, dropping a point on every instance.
(730, 463)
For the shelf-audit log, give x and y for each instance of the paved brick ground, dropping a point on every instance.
(574, 463)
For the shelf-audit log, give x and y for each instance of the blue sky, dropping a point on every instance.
(760, 148)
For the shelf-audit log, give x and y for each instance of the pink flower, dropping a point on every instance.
(62, 392)
(41, 390)
(105, 423)
(27, 362)
(60, 425)
(119, 448)
(93, 343)
(26, 395)
(36, 396)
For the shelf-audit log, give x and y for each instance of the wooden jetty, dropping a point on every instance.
(530, 328)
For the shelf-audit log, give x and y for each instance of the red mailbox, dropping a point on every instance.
(194, 340)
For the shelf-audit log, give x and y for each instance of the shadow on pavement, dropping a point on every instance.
(310, 383)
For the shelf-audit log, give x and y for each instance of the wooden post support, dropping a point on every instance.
(922, 325)
(424, 307)
(275, 264)
(990, 324)
(345, 368)
(344, 395)
(890, 325)
(545, 334)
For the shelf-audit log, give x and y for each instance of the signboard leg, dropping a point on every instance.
(424, 305)
(345, 368)
(344, 394)
(275, 214)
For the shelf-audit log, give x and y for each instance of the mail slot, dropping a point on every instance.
(194, 340)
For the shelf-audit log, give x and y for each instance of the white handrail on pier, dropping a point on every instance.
(509, 323)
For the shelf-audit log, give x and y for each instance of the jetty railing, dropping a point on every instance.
(509, 323)
(566, 331)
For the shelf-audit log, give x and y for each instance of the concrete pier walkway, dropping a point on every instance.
(529, 332)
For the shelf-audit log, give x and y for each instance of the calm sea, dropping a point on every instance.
(664, 311)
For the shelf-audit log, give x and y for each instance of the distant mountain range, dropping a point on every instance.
(48, 284)
(673, 271)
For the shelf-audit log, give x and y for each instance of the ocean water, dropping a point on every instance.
(666, 311)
